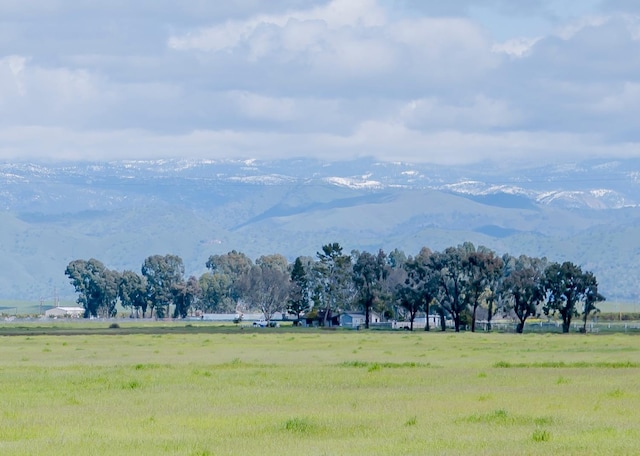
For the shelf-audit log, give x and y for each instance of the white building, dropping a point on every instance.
(355, 320)
(419, 323)
(64, 312)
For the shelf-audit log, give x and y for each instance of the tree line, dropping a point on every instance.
(460, 284)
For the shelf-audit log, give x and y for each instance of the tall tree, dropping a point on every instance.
(266, 288)
(275, 261)
(333, 270)
(483, 269)
(523, 288)
(396, 259)
(565, 287)
(132, 291)
(163, 274)
(216, 294)
(591, 298)
(369, 273)
(429, 288)
(227, 270)
(407, 293)
(299, 294)
(185, 296)
(97, 287)
(452, 281)
(420, 287)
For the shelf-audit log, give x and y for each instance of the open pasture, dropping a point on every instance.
(317, 392)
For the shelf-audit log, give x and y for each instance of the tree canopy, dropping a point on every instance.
(462, 284)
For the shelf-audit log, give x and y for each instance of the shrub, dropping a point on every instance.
(541, 435)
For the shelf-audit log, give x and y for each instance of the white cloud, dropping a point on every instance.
(452, 82)
(231, 34)
(481, 112)
(262, 107)
(516, 47)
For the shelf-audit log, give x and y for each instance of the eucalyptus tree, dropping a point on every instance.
(132, 291)
(421, 285)
(523, 288)
(275, 261)
(452, 279)
(396, 258)
(591, 298)
(185, 296)
(215, 293)
(163, 274)
(227, 270)
(299, 301)
(413, 293)
(410, 299)
(333, 270)
(483, 269)
(369, 273)
(96, 285)
(265, 288)
(566, 286)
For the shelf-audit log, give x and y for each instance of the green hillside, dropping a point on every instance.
(297, 219)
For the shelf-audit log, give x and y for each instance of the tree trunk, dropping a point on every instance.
(456, 322)
(473, 319)
(426, 312)
(367, 306)
(520, 327)
(566, 323)
(443, 323)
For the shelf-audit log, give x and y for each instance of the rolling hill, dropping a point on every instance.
(122, 212)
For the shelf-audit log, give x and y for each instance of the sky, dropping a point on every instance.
(455, 82)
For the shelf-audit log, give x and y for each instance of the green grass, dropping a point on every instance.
(318, 392)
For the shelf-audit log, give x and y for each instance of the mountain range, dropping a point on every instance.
(121, 212)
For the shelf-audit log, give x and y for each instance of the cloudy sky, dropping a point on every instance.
(450, 82)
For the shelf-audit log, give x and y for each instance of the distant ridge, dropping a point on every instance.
(121, 212)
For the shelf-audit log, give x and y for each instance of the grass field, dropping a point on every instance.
(226, 391)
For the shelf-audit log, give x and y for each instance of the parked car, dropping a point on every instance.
(265, 324)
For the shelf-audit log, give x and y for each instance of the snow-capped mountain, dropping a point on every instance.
(121, 212)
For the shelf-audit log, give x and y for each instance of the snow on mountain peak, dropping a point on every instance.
(354, 183)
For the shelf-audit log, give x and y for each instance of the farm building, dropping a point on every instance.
(65, 312)
(418, 323)
(245, 317)
(354, 320)
(318, 318)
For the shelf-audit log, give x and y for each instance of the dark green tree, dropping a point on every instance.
(523, 288)
(483, 270)
(409, 297)
(396, 259)
(565, 286)
(223, 287)
(163, 274)
(452, 281)
(185, 296)
(333, 271)
(132, 291)
(591, 298)
(369, 273)
(97, 287)
(216, 294)
(414, 292)
(299, 294)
